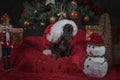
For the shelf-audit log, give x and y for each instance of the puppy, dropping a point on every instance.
(63, 46)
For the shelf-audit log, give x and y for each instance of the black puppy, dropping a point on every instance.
(63, 46)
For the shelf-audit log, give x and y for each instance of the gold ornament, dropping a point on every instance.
(42, 23)
(86, 18)
(52, 19)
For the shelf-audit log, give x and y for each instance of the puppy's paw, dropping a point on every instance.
(47, 52)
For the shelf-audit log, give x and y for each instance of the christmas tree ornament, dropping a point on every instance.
(52, 19)
(73, 15)
(74, 2)
(86, 18)
(26, 23)
(35, 11)
(62, 14)
(42, 23)
(50, 2)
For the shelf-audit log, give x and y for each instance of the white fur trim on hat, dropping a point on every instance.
(57, 29)
(47, 52)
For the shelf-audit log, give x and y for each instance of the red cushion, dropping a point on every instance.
(34, 41)
(31, 51)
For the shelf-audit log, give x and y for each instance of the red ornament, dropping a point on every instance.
(73, 15)
(26, 23)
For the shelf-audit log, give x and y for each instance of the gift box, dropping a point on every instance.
(17, 35)
(91, 29)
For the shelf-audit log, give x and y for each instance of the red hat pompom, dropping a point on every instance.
(5, 16)
(96, 39)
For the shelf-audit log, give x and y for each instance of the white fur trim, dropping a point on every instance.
(47, 52)
(57, 30)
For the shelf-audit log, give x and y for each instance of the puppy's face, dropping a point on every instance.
(67, 32)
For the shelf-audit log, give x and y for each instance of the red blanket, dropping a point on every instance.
(28, 56)
(30, 64)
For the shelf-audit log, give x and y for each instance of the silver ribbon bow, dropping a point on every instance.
(62, 14)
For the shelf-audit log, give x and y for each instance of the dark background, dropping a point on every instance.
(15, 7)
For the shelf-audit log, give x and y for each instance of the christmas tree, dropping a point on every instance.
(40, 13)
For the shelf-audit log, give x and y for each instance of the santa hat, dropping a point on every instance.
(5, 17)
(96, 39)
(57, 29)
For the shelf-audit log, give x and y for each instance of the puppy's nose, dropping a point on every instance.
(91, 52)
